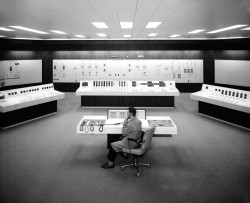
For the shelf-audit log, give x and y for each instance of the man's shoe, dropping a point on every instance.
(106, 166)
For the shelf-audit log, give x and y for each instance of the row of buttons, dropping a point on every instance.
(103, 83)
(43, 88)
(227, 92)
(30, 90)
(231, 93)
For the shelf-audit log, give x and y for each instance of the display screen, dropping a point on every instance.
(150, 84)
(162, 84)
(84, 84)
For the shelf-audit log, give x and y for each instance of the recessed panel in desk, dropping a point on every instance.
(163, 123)
(181, 71)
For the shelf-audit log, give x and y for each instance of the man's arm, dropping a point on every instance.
(127, 128)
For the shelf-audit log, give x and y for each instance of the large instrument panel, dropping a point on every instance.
(226, 97)
(178, 70)
(127, 88)
(14, 99)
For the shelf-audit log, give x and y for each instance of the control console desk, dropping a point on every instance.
(110, 93)
(23, 104)
(102, 125)
(231, 105)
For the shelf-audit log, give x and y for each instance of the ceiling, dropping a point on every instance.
(75, 17)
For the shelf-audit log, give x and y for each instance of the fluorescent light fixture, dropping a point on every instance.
(247, 28)
(101, 34)
(2, 36)
(127, 36)
(126, 25)
(175, 35)
(79, 36)
(6, 29)
(29, 29)
(226, 28)
(229, 37)
(60, 39)
(196, 31)
(28, 38)
(100, 25)
(153, 24)
(152, 34)
(58, 32)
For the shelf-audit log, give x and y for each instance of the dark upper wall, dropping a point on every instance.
(103, 45)
(208, 50)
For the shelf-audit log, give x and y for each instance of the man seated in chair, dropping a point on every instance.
(131, 129)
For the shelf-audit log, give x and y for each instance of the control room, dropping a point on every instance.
(124, 101)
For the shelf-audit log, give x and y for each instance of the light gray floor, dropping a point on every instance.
(45, 161)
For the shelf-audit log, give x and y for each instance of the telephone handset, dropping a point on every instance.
(126, 121)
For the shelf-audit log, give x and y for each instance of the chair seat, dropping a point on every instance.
(135, 151)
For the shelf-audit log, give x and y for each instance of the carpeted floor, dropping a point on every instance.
(45, 161)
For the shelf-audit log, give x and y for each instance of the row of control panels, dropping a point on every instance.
(227, 97)
(99, 87)
(112, 83)
(23, 97)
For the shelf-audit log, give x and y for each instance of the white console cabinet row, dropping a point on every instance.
(227, 104)
(23, 104)
(225, 97)
(23, 97)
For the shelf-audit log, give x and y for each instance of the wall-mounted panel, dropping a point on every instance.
(232, 72)
(180, 71)
(19, 72)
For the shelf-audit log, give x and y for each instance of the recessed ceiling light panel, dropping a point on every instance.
(226, 28)
(100, 25)
(126, 25)
(175, 35)
(101, 34)
(153, 24)
(196, 31)
(152, 34)
(247, 28)
(58, 32)
(29, 29)
(6, 29)
(127, 36)
(79, 36)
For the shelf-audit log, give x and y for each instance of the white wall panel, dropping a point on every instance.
(232, 72)
(17, 72)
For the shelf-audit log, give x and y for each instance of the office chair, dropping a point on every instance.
(144, 144)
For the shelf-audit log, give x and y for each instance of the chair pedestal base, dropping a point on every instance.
(135, 165)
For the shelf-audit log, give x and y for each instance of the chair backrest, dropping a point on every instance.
(147, 138)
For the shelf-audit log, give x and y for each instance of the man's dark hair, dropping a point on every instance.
(132, 110)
